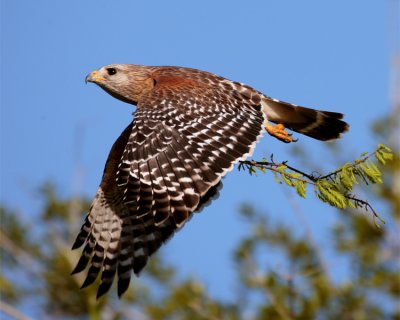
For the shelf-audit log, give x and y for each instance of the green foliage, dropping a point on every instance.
(301, 287)
(383, 154)
(334, 188)
(189, 300)
(330, 192)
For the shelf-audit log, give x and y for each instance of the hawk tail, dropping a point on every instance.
(317, 124)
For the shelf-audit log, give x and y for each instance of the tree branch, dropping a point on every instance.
(12, 312)
(335, 187)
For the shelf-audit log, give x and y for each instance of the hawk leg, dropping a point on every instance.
(278, 131)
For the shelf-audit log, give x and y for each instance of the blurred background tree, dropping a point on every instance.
(36, 263)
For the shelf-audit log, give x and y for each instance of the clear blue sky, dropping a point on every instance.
(331, 55)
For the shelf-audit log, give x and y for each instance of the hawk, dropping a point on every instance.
(189, 129)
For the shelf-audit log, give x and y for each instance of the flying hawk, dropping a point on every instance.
(189, 129)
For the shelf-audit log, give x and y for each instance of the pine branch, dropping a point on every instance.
(334, 188)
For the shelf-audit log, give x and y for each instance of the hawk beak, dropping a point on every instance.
(94, 77)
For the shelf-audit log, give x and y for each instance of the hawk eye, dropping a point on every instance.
(111, 71)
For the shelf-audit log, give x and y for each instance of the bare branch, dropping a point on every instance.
(19, 254)
(12, 312)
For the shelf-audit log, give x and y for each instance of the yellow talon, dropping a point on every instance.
(278, 131)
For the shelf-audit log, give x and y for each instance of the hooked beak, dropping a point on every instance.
(94, 77)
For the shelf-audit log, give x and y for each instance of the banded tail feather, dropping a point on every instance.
(317, 124)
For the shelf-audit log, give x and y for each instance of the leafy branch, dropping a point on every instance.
(334, 188)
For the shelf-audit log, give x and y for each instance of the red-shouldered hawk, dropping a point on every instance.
(189, 129)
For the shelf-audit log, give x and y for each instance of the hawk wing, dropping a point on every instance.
(185, 136)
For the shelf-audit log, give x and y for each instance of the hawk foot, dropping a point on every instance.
(278, 131)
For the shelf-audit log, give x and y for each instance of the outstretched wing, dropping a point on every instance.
(186, 135)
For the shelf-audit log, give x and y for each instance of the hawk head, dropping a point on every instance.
(126, 82)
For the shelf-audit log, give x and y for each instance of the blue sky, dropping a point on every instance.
(329, 55)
